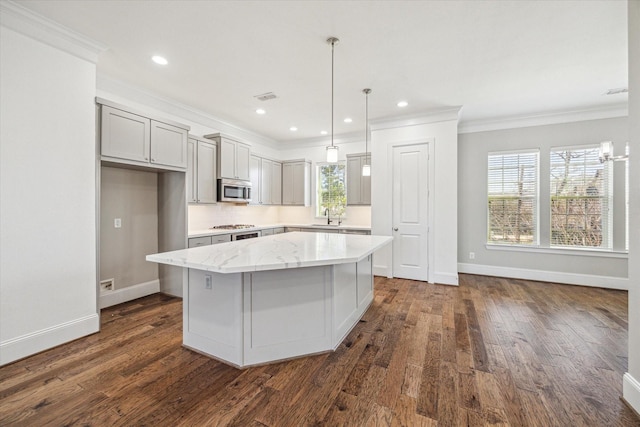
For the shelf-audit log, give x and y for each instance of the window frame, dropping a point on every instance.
(607, 222)
(343, 165)
(535, 242)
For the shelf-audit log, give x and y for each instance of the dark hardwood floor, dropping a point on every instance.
(490, 352)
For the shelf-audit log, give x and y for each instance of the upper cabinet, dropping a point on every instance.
(233, 157)
(130, 138)
(296, 183)
(266, 181)
(358, 186)
(201, 171)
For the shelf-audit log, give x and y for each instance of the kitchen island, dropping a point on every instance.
(256, 301)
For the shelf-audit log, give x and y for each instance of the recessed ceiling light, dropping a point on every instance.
(261, 111)
(323, 132)
(402, 104)
(293, 128)
(159, 60)
(348, 120)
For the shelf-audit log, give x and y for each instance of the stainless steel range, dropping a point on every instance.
(239, 236)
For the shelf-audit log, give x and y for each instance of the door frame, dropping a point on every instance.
(430, 142)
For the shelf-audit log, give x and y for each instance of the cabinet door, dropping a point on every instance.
(287, 184)
(255, 167)
(168, 145)
(191, 176)
(354, 175)
(220, 238)
(194, 242)
(267, 232)
(265, 181)
(207, 191)
(125, 135)
(276, 183)
(299, 183)
(243, 152)
(227, 159)
(365, 181)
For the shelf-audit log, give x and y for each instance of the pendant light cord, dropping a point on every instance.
(366, 127)
(332, 48)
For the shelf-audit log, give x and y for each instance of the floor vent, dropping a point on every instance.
(107, 285)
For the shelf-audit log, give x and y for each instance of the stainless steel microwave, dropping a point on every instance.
(234, 191)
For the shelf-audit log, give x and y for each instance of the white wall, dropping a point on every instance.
(47, 196)
(441, 131)
(631, 382)
(596, 269)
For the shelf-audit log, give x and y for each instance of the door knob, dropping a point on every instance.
(395, 229)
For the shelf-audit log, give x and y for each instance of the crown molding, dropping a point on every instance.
(323, 141)
(26, 22)
(150, 99)
(549, 118)
(423, 118)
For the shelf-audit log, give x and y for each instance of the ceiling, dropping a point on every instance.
(496, 59)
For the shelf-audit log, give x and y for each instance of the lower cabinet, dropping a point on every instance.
(194, 242)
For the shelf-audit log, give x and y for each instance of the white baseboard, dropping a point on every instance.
(381, 270)
(35, 342)
(444, 278)
(631, 391)
(608, 282)
(109, 298)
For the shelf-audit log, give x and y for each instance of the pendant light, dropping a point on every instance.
(332, 150)
(366, 168)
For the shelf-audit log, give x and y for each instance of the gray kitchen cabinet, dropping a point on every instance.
(296, 183)
(201, 171)
(194, 242)
(266, 181)
(233, 157)
(267, 232)
(278, 230)
(361, 232)
(358, 186)
(255, 176)
(133, 139)
(220, 238)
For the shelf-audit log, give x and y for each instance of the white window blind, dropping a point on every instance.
(331, 189)
(581, 192)
(513, 197)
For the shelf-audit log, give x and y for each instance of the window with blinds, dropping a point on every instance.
(581, 198)
(331, 189)
(513, 198)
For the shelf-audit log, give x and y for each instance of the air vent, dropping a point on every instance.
(266, 96)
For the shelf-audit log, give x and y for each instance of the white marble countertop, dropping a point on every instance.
(280, 251)
(216, 232)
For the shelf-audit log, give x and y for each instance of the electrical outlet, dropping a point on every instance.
(106, 285)
(207, 281)
(117, 222)
(472, 255)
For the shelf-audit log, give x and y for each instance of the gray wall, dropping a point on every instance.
(472, 190)
(132, 196)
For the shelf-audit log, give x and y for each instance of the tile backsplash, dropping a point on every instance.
(202, 217)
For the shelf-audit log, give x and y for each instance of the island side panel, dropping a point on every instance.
(213, 315)
(287, 313)
(353, 293)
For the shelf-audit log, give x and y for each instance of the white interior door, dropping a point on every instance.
(410, 216)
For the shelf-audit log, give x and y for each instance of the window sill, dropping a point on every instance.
(603, 253)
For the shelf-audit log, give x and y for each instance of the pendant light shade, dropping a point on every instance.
(366, 168)
(332, 154)
(332, 150)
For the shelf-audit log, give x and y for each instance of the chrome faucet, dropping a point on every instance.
(326, 213)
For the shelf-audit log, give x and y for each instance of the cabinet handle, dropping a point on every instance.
(395, 229)
(153, 160)
(146, 158)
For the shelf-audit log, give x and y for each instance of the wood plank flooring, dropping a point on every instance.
(491, 352)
